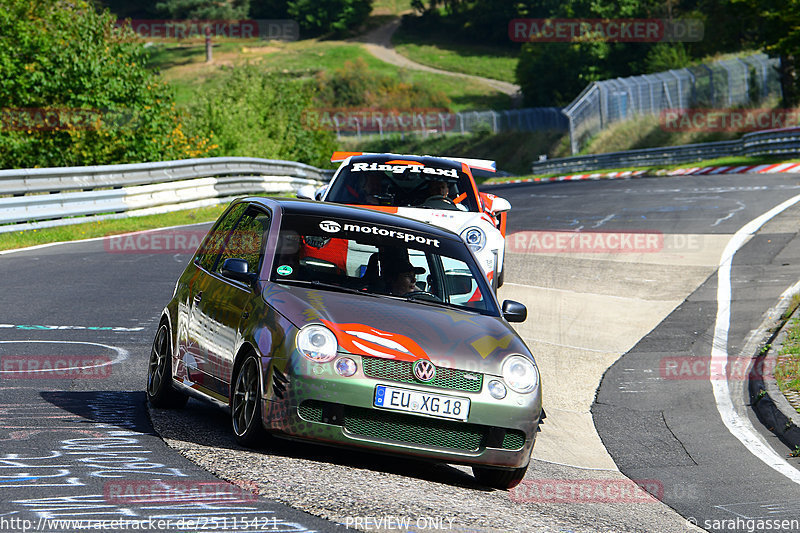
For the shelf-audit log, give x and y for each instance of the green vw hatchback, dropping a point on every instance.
(350, 327)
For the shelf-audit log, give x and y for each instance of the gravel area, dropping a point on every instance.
(357, 489)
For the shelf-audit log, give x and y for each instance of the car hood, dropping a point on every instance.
(453, 220)
(400, 330)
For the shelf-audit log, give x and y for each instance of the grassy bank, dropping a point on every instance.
(183, 66)
(787, 371)
(102, 228)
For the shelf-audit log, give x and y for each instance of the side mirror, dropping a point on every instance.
(500, 205)
(320, 192)
(237, 269)
(306, 192)
(514, 311)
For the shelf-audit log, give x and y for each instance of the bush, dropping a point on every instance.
(339, 17)
(258, 114)
(355, 85)
(63, 59)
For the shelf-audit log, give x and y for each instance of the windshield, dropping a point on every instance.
(404, 183)
(378, 260)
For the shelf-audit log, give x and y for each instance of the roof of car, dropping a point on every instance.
(296, 206)
(424, 159)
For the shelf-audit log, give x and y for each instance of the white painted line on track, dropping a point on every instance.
(122, 354)
(739, 426)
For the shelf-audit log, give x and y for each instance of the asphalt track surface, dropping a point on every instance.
(79, 446)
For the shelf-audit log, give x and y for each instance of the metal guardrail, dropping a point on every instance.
(45, 197)
(772, 142)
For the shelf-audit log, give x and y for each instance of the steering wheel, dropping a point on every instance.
(432, 201)
(422, 295)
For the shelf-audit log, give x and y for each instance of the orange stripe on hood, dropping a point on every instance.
(361, 339)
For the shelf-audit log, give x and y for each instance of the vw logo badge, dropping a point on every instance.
(424, 370)
(330, 226)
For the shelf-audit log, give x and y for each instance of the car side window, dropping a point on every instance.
(212, 246)
(247, 240)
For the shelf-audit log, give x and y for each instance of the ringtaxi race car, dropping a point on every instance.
(436, 190)
(290, 316)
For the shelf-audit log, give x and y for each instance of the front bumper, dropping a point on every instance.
(310, 401)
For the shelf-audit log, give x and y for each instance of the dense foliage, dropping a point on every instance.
(339, 17)
(75, 91)
(205, 9)
(554, 73)
(258, 114)
(354, 86)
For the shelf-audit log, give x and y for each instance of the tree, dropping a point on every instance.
(75, 91)
(339, 17)
(259, 114)
(206, 9)
(776, 27)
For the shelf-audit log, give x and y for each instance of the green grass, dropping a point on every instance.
(101, 228)
(787, 371)
(394, 7)
(439, 52)
(183, 66)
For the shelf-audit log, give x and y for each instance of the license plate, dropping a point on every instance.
(424, 403)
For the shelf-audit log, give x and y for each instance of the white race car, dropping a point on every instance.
(436, 190)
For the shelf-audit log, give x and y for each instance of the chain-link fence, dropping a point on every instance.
(722, 84)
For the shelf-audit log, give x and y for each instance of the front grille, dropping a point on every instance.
(311, 411)
(513, 440)
(402, 371)
(413, 429)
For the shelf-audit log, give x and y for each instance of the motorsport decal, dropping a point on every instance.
(400, 169)
(332, 226)
(366, 340)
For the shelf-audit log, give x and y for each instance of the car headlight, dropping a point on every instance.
(520, 374)
(475, 238)
(317, 343)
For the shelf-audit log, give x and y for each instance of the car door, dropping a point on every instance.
(219, 303)
(193, 336)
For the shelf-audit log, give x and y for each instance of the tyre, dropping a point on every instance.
(501, 278)
(499, 478)
(246, 404)
(160, 390)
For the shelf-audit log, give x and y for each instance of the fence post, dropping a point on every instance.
(710, 84)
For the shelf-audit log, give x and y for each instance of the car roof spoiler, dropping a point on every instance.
(479, 164)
